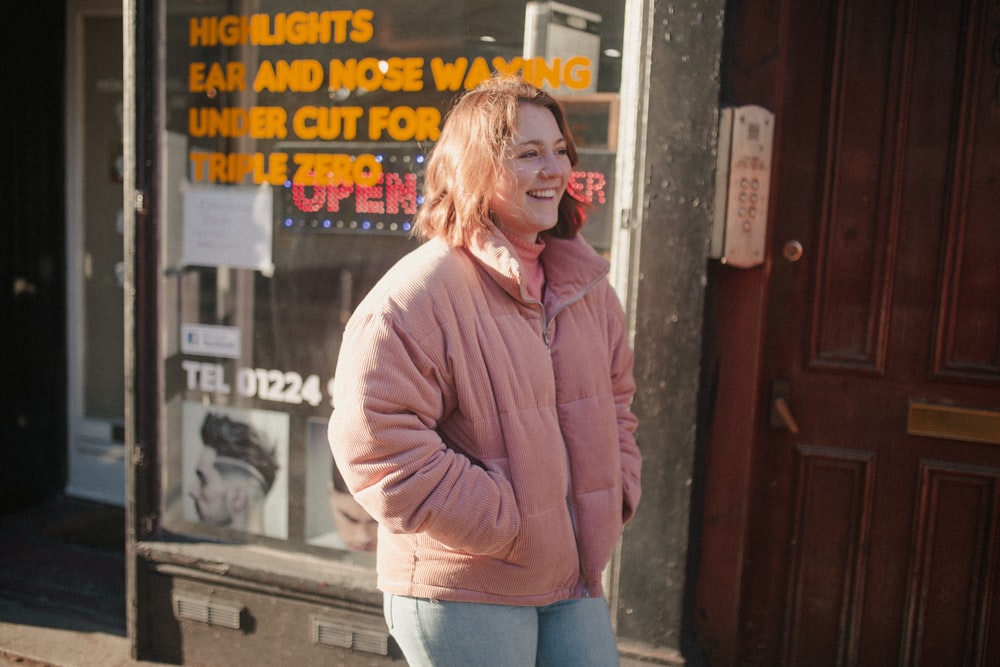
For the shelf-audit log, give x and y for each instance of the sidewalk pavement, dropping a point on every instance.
(42, 638)
(62, 586)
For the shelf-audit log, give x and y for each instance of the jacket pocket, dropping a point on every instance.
(546, 547)
(499, 470)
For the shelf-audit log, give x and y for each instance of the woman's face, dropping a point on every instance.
(536, 174)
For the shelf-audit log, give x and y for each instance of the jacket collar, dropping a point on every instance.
(572, 266)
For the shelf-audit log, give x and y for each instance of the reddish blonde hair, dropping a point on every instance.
(468, 158)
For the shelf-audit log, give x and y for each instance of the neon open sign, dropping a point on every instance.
(389, 205)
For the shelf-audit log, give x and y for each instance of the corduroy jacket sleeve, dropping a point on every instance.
(389, 395)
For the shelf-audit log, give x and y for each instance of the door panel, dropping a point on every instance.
(950, 596)
(831, 520)
(869, 541)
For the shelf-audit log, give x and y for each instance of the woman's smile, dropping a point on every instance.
(528, 192)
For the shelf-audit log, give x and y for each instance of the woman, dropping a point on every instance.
(482, 403)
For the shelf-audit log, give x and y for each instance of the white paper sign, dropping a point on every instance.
(227, 226)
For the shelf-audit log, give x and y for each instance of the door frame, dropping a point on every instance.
(732, 370)
(95, 447)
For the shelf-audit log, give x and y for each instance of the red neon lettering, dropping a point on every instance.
(368, 198)
(401, 193)
(308, 204)
(588, 187)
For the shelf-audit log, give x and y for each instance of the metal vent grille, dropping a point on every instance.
(330, 633)
(208, 612)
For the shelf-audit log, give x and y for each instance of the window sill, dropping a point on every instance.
(254, 567)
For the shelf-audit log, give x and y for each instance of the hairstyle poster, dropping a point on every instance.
(235, 464)
(333, 518)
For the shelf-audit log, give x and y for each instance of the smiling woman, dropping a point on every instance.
(453, 363)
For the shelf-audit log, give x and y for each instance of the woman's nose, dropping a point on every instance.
(549, 167)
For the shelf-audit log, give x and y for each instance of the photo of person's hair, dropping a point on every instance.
(238, 446)
(236, 459)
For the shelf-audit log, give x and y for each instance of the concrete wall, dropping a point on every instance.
(662, 259)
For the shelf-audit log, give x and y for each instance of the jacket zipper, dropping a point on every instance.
(546, 324)
(547, 321)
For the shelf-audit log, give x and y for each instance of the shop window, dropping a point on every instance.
(294, 135)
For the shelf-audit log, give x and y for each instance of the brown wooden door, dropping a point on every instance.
(873, 533)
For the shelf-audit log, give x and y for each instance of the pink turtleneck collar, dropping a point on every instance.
(528, 253)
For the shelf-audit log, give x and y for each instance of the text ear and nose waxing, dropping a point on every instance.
(341, 78)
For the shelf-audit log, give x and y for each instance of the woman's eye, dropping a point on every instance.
(535, 154)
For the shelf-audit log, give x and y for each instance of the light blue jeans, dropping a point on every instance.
(434, 633)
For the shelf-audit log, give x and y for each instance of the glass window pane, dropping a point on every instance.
(294, 138)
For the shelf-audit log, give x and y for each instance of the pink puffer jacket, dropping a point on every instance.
(490, 436)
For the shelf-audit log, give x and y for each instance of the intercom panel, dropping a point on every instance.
(743, 181)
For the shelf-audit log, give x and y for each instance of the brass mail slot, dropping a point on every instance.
(954, 423)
